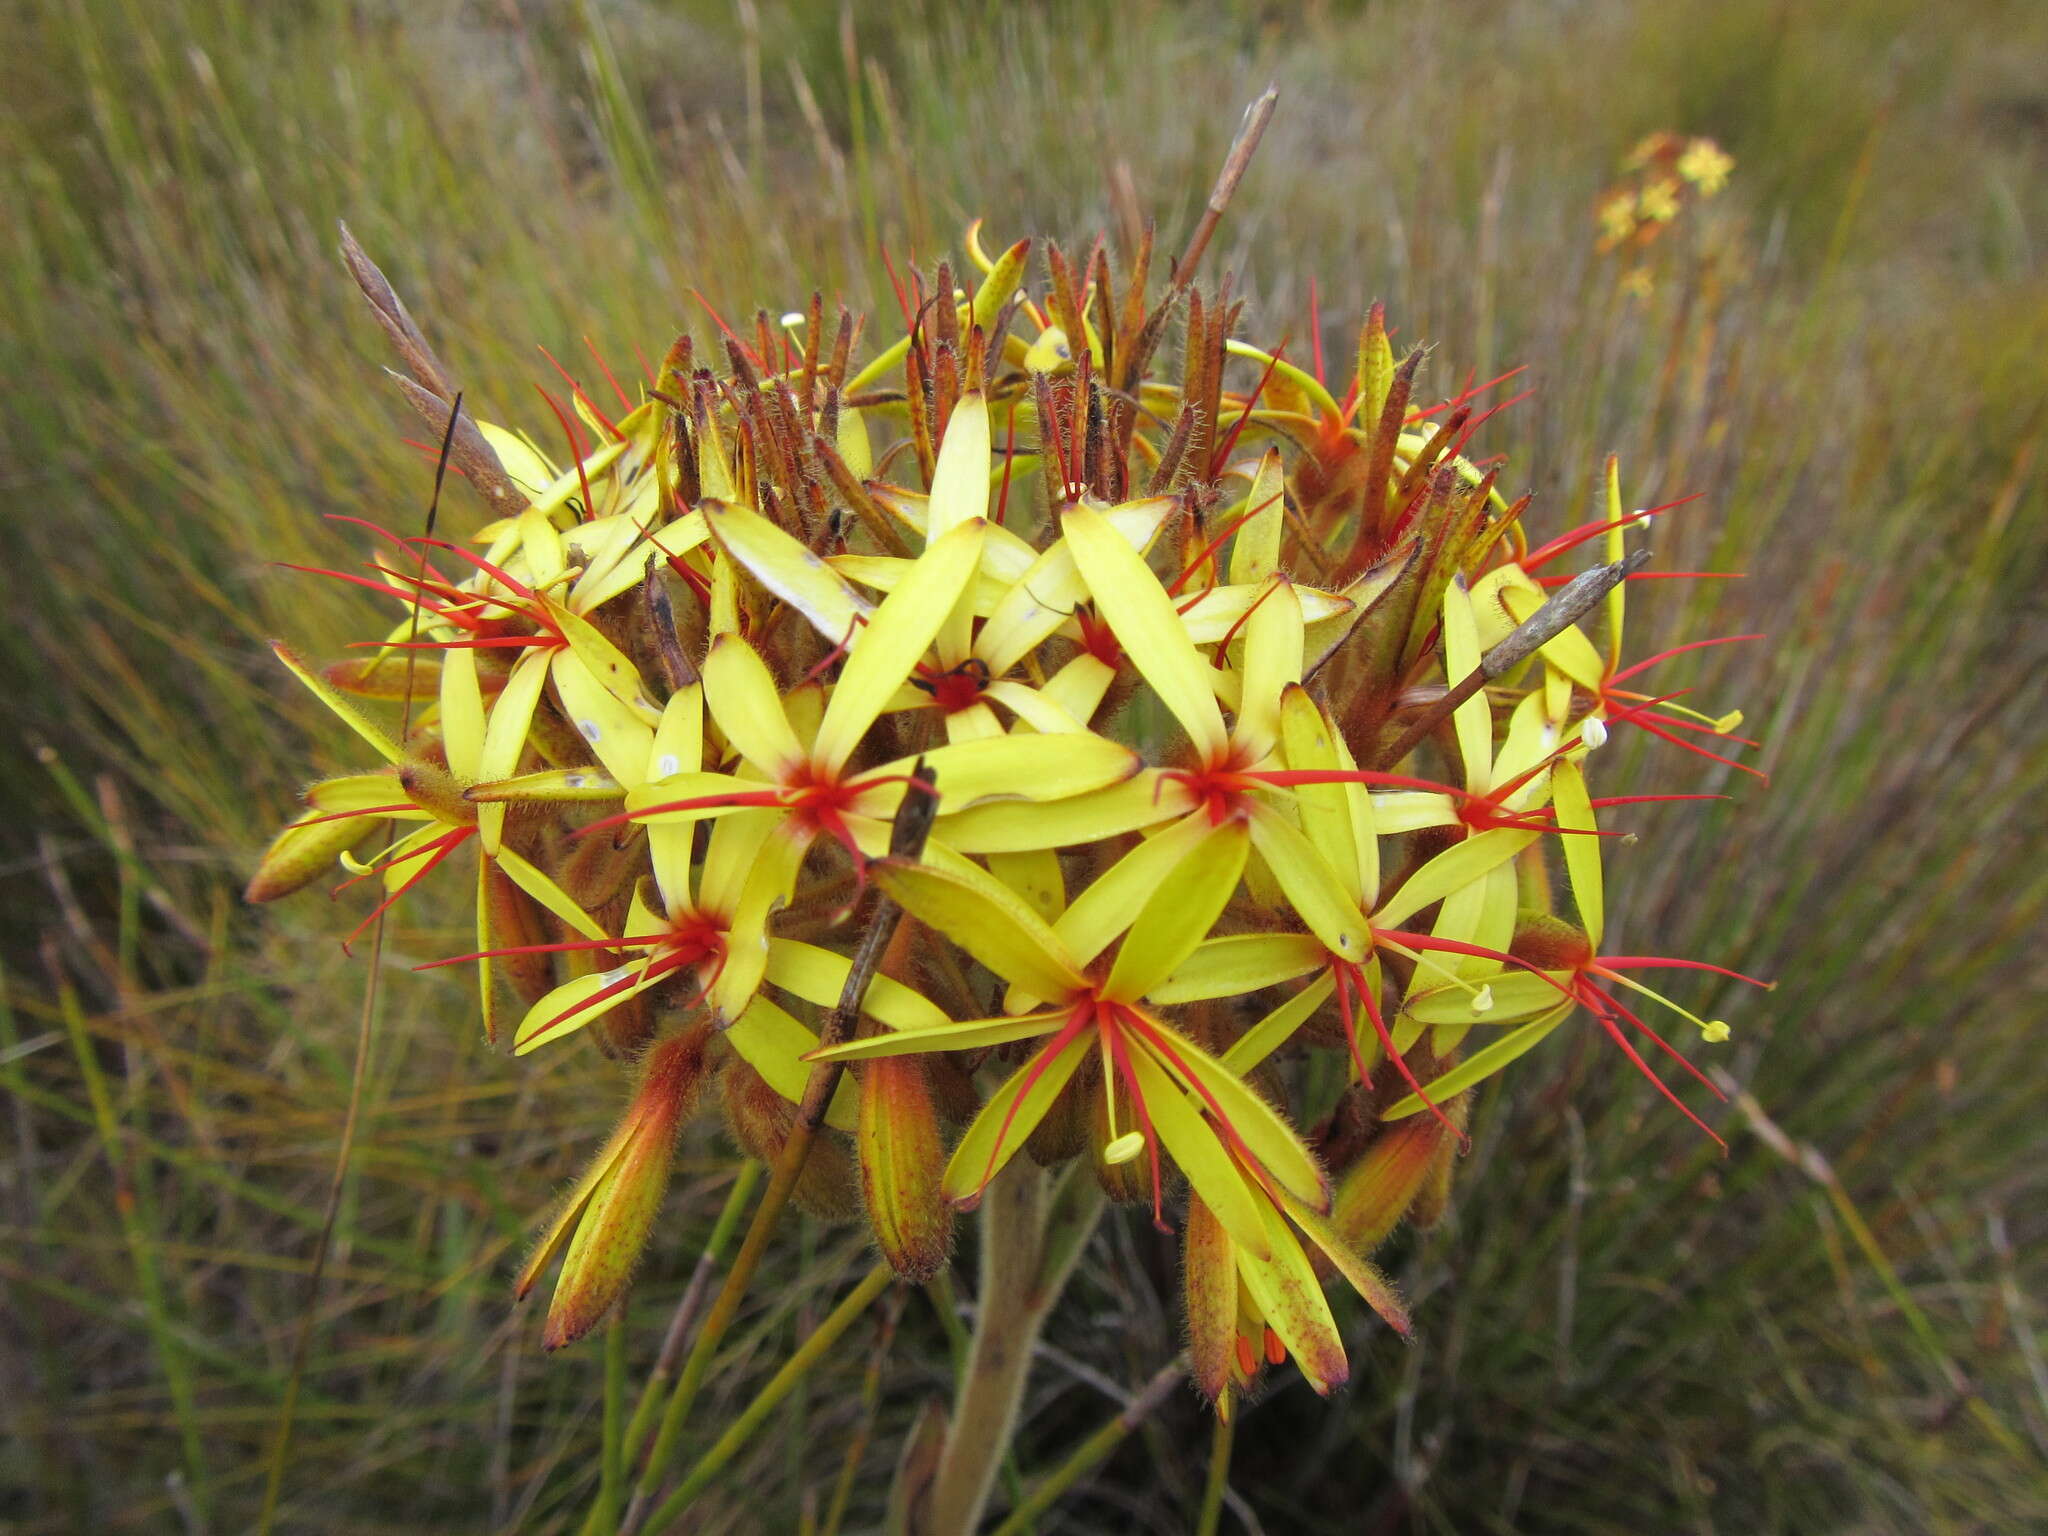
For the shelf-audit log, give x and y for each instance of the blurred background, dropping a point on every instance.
(1835, 1328)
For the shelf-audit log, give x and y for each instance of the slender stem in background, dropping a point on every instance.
(134, 1230)
(1095, 1448)
(913, 825)
(690, 1305)
(612, 1472)
(779, 1386)
(870, 1401)
(280, 1445)
(1218, 1482)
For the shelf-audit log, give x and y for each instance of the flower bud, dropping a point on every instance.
(1209, 1283)
(605, 1223)
(1397, 1168)
(761, 1120)
(301, 854)
(901, 1160)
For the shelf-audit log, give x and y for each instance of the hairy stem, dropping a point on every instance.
(1032, 1232)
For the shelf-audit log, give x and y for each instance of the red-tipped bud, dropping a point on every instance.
(1386, 1183)
(605, 1222)
(1209, 1283)
(901, 1159)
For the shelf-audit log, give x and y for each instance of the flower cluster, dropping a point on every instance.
(1250, 724)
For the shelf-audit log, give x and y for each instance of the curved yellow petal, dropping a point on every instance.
(1135, 605)
(895, 640)
(1241, 963)
(787, 568)
(327, 694)
(745, 702)
(1457, 866)
(989, 921)
(1180, 911)
(1312, 887)
(1009, 1117)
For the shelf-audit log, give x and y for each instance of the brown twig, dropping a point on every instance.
(1570, 603)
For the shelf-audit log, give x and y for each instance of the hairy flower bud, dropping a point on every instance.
(604, 1224)
(901, 1158)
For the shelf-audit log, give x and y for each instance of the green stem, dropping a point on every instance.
(1031, 1237)
(1095, 1448)
(1219, 1476)
(612, 1474)
(687, 1309)
(779, 1386)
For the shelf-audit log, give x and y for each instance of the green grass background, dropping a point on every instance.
(1836, 1328)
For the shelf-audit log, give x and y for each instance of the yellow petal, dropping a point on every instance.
(1457, 866)
(1517, 995)
(1261, 1129)
(967, 1035)
(550, 895)
(1241, 963)
(1032, 767)
(548, 786)
(748, 708)
(615, 733)
(1479, 1065)
(605, 661)
(1135, 605)
(1472, 721)
(1581, 848)
(357, 792)
(505, 737)
(819, 976)
(729, 858)
(1181, 910)
(959, 495)
(1272, 663)
(1255, 548)
(988, 920)
(1308, 741)
(1285, 1289)
(462, 713)
(1313, 889)
(786, 567)
(1113, 900)
(895, 640)
(1374, 1288)
(1010, 1116)
(1278, 1027)
(1194, 1144)
(327, 694)
(1010, 826)
(776, 1045)
(568, 1008)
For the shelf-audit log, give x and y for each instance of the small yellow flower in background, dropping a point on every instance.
(1658, 202)
(1661, 177)
(1706, 165)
